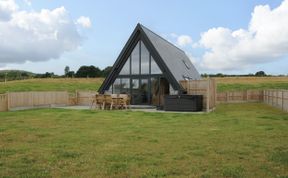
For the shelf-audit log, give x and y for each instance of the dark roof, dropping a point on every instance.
(176, 60)
(173, 62)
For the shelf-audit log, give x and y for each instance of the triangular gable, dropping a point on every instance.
(138, 34)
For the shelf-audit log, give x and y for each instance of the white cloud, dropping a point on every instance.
(265, 40)
(28, 2)
(7, 7)
(84, 21)
(184, 40)
(36, 36)
(192, 58)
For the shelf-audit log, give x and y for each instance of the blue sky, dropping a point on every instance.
(191, 25)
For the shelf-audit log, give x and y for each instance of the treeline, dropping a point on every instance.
(87, 72)
(82, 72)
(257, 74)
(15, 75)
(93, 72)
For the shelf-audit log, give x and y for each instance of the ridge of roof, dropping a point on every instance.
(142, 26)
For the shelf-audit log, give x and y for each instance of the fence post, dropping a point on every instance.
(76, 97)
(270, 98)
(208, 96)
(8, 101)
(246, 95)
(282, 100)
(215, 92)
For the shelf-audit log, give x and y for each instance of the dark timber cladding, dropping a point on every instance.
(149, 67)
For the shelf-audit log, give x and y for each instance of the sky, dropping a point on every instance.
(233, 37)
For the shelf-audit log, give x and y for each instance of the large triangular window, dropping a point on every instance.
(135, 60)
(141, 62)
(154, 67)
(145, 57)
(126, 68)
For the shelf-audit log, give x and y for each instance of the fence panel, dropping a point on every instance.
(240, 96)
(85, 97)
(3, 102)
(207, 88)
(277, 98)
(37, 99)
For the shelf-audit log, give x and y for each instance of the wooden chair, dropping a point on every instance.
(92, 99)
(108, 101)
(124, 101)
(99, 101)
(115, 98)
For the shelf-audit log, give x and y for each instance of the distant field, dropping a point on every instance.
(223, 84)
(51, 84)
(244, 83)
(237, 141)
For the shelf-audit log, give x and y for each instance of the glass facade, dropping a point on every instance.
(154, 67)
(135, 60)
(144, 91)
(126, 68)
(125, 86)
(140, 77)
(117, 86)
(155, 90)
(145, 59)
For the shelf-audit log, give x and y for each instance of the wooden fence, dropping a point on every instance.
(3, 102)
(207, 88)
(277, 98)
(16, 100)
(84, 97)
(240, 96)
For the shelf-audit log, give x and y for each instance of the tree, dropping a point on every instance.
(204, 75)
(219, 75)
(106, 71)
(66, 70)
(70, 74)
(260, 74)
(48, 75)
(88, 71)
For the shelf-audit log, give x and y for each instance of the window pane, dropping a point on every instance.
(135, 83)
(109, 90)
(144, 59)
(154, 91)
(135, 57)
(154, 67)
(136, 99)
(125, 85)
(126, 68)
(144, 91)
(116, 86)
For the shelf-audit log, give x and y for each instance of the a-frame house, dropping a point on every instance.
(148, 68)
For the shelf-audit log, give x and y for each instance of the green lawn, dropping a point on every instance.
(258, 86)
(237, 140)
(62, 84)
(71, 85)
(251, 83)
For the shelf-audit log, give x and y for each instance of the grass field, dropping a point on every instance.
(223, 84)
(62, 84)
(244, 83)
(237, 140)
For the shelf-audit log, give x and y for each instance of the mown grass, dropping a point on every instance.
(237, 140)
(62, 84)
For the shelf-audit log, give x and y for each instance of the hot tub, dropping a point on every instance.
(188, 103)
